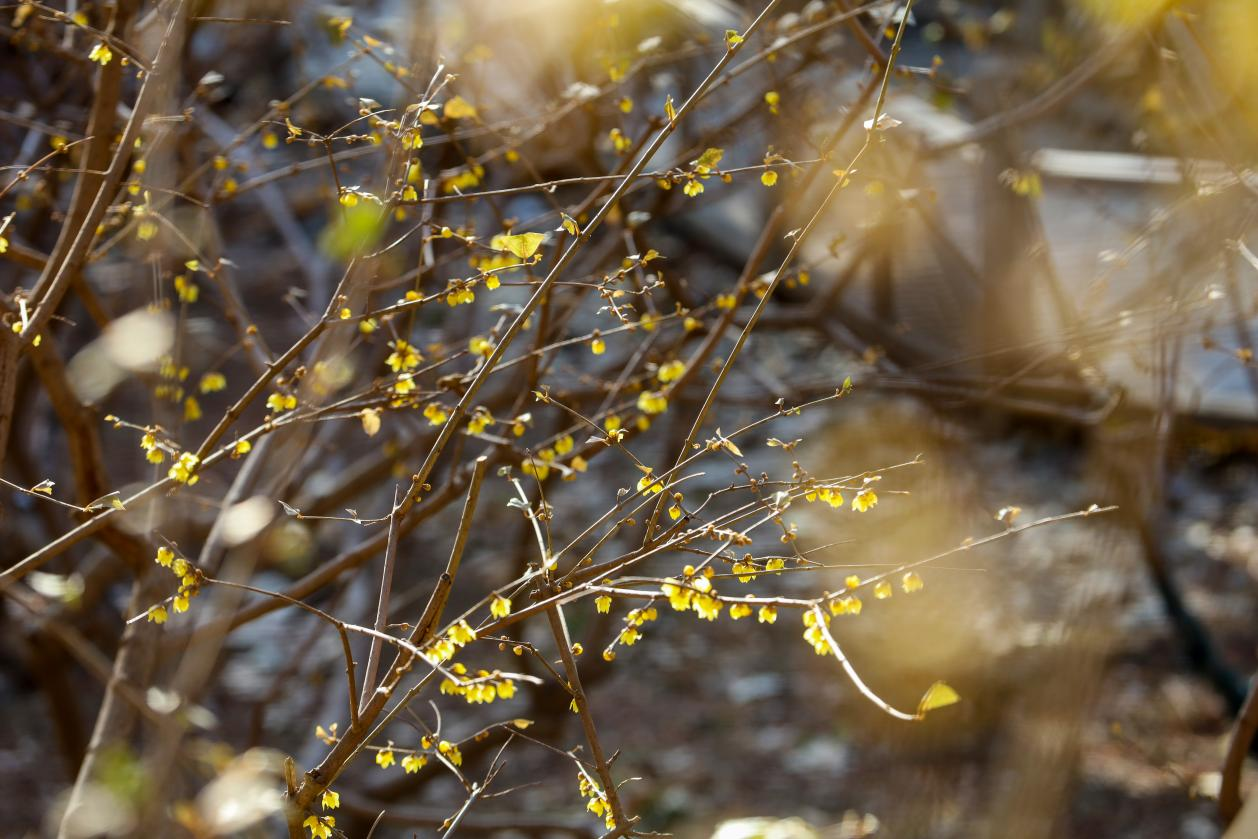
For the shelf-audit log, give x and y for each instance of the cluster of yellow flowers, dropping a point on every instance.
(189, 585)
(444, 648)
(539, 466)
(405, 356)
(814, 633)
(831, 495)
(280, 402)
(320, 827)
(171, 388)
(864, 500)
(415, 760)
(152, 451)
(483, 689)
(597, 804)
(184, 469)
(693, 592)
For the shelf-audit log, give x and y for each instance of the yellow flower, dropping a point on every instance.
(846, 606)
(459, 108)
(500, 607)
(671, 371)
(165, 556)
(101, 54)
(479, 421)
(535, 468)
(384, 757)
(603, 604)
(242, 447)
(739, 610)
(403, 357)
(769, 178)
(157, 614)
(678, 594)
(864, 500)
(648, 483)
(461, 633)
(619, 141)
(882, 589)
(911, 582)
(212, 382)
(405, 384)
(706, 606)
(413, 763)
(191, 409)
(775, 564)
(320, 826)
(331, 800)
(187, 291)
(564, 444)
(184, 468)
(435, 413)
(815, 634)
(692, 188)
(451, 752)
(281, 402)
(767, 614)
(852, 581)
(612, 424)
(652, 402)
(180, 603)
(629, 636)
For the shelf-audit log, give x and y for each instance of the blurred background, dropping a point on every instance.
(1041, 283)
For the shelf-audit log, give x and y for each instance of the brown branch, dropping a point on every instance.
(559, 628)
(322, 776)
(1237, 749)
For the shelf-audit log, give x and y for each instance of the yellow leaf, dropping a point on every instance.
(523, 245)
(938, 695)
